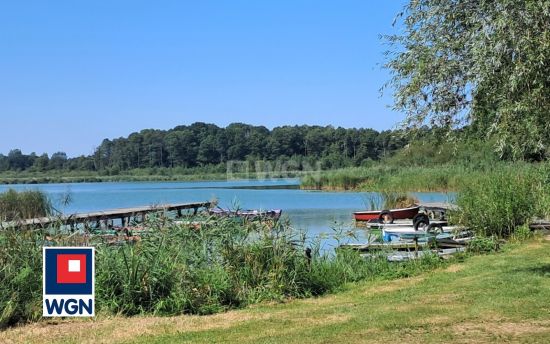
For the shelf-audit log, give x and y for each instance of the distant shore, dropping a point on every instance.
(102, 179)
(71, 177)
(444, 178)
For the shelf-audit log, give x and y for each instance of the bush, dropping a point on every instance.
(480, 245)
(522, 233)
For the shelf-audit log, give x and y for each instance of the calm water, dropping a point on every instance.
(312, 211)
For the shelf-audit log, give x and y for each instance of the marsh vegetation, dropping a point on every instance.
(175, 268)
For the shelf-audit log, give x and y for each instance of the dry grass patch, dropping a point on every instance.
(454, 268)
(502, 328)
(119, 329)
(393, 286)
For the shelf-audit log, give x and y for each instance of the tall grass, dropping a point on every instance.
(174, 269)
(398, 178)
(498, 203)
(376, 178)
(24, 205)
(389, 200)
(20, 276)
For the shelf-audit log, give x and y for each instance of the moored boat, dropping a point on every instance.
(248, 214)
(389, 215)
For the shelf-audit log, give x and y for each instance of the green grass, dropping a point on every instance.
(209, 172)
(396, 178)
(500, 297)
(94, 177)
(380, 177)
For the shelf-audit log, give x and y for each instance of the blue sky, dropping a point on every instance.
(75, 72)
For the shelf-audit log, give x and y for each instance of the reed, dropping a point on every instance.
(380, 177)
(397, 178)
(24, 205)
(20, 276)
(176, 269)
(499, 203)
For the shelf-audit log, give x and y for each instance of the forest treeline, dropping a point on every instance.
(202, 144)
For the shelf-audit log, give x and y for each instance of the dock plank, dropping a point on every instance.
(104, 215)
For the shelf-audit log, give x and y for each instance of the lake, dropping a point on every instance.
(316, 212)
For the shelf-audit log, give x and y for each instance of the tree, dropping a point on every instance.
(41, 163)
(207, 153)
(17, 160)
(4, 164)
(237, 141)
(479, 62)
(181, 148)
(207, 144)
(58, 160)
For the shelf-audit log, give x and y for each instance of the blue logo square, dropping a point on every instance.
(51, 273)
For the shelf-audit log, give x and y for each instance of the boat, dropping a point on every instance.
(248, 214)
(402, 256)
(413, 244)
(437, 231)
(387, 215)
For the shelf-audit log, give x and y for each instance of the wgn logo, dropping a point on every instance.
(68, 282)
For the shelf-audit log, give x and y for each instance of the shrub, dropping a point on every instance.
(522, 233)
(480, 245)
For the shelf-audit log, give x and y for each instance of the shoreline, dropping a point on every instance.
(195, 178)
(372, 189)
(441, 318)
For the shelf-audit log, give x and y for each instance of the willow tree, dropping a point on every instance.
(483, 63)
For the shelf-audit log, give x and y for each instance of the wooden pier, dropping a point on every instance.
(123, 214)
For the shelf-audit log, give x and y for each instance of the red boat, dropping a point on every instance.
(386, 215)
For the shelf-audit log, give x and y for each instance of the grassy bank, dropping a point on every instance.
(413, 178)
(490, 298)
(231, 170)
(376, 177)
(94, 177)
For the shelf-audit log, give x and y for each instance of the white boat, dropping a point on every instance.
(401, 256)
(397, 233)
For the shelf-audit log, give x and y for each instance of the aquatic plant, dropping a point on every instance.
(20, 275)
(24, 205)
(398, 200)
(389, 200)
(180, 268)
(498, 203)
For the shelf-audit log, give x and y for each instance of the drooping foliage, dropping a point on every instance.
(485, 63)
